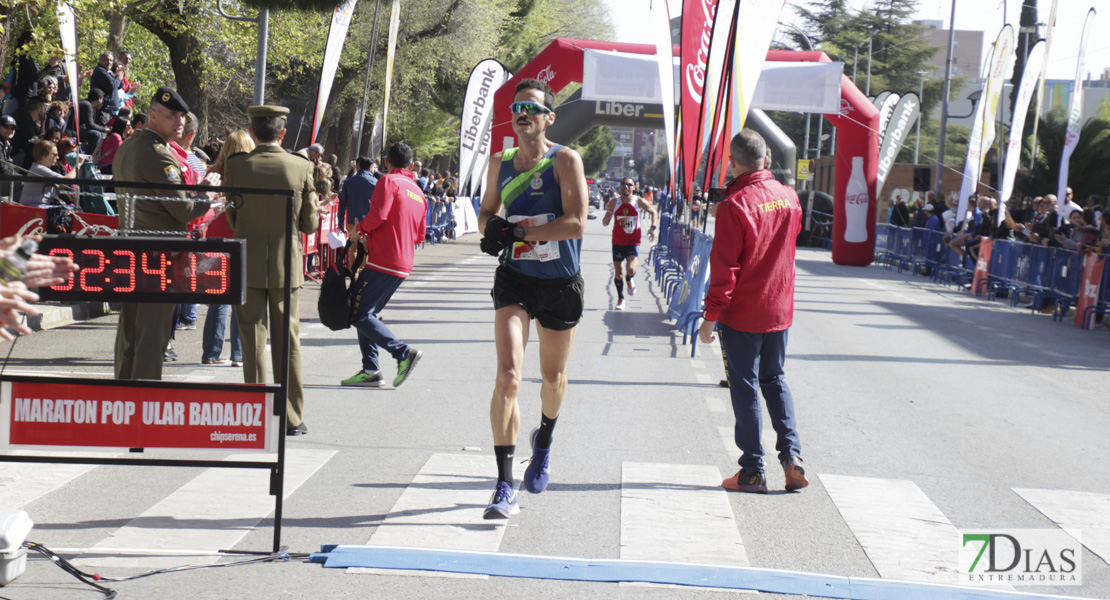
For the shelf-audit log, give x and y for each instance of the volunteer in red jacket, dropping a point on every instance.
(389, 232)
(751, 303)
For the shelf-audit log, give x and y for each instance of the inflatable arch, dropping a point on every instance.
(857, 123)
(857, 127)
(575, 117)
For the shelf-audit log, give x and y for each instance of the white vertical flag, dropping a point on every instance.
(711, 114)
(67, 27)
(1040, 82)
(982, 129)
(394, 27)
(1026, 87)
(886, 110)
(664, 54)
(477, 116)
(756, 22)
(1075, 115)
(337, 33)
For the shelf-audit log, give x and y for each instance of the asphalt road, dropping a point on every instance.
(922, 411)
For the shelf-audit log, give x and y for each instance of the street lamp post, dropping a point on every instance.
(944, 98)
(263, 20)
(920, 94)
(867, 92)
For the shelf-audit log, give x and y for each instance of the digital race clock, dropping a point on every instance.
(148, 269)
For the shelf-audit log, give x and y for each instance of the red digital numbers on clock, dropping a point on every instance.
(128, 270)
(160, 271)
(68, 285)
(220, 272)
(85, 272)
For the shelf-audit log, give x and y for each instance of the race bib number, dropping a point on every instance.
(541, 251)
(627, 223)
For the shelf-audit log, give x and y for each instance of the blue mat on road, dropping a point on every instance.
(615, 570)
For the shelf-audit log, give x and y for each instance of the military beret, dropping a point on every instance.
(170, 99)
(267, 111)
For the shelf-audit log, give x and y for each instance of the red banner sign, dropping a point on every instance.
(1088, 289)
(57, 414)
(697, 32)
(16, 219)
(982, 266)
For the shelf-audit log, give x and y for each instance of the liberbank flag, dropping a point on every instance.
(340, 22)
(1075, 116)
(477, 117)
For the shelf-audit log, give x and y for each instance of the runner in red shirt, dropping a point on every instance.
(751, 294)
(626, 235)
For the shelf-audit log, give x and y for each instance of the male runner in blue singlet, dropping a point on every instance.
(542, 189)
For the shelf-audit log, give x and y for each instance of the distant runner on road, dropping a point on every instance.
(542, 188)
(626, 235)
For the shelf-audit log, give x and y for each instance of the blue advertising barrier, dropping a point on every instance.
(1102, 306)
(1050, 276)
(686, 303)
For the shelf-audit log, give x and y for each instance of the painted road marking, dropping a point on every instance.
(677, 513)
(903, 533)
(1084, 515)
(23, 483)
(442, 508)
(212, 512)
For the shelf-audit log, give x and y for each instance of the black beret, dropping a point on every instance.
(170, 99)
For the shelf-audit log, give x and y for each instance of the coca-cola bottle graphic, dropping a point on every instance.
(856, 200)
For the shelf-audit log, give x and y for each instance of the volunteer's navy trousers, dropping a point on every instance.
(754, 364)
(374, 291)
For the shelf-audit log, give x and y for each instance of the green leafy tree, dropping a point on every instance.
(596, 150)
(1087, 172)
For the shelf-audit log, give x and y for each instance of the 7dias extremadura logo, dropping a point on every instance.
(1021, 557)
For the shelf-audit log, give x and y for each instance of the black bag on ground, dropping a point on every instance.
(334, 304)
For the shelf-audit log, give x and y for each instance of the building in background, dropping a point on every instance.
(967, 55)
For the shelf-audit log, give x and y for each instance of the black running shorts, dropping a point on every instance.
(555, 303)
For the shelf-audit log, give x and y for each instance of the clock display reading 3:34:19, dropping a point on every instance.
(146, 269)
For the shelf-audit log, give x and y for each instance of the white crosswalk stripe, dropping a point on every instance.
(22, 483)
(903, 533)
(668, 512)
(677, 513)
(442, 508)
(212, 512)
(1084, 515)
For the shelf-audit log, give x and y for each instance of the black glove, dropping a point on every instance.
(501, 231)
(491, 246)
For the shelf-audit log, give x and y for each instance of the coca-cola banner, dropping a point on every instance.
(697, 34)
(16, 219)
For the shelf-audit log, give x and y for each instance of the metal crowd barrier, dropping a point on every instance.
(1051, 277)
